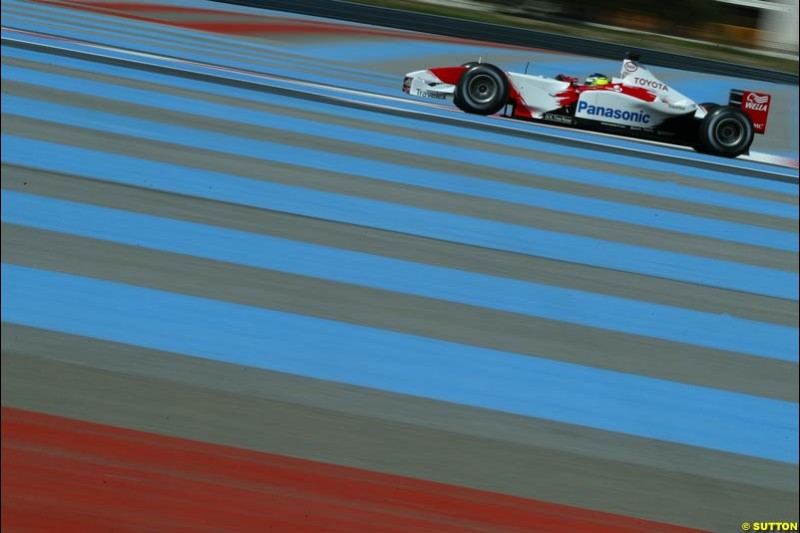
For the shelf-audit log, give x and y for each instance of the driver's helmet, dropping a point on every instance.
(597, 79)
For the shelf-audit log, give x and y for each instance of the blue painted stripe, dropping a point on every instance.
(578, 307)
(455, 228)
(319, 160)
(550, 170)
(403, 364)
(248, 72)
(387, 49)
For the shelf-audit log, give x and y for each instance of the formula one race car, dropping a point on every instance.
(635, 104)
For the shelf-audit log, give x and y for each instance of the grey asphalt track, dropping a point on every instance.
(122, 385)
(398, 312)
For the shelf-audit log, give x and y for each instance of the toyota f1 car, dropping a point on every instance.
(635, 104)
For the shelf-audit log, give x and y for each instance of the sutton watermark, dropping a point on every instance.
(769, 526)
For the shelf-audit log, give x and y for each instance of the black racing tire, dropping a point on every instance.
(467, 65)
(482, 90)
(726, 131)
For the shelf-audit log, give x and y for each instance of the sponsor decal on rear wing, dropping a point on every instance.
(754, 104)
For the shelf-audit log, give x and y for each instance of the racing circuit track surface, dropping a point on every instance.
(236, 298)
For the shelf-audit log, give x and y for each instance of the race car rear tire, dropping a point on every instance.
(482, 90)
(726, 131)
(697, 145)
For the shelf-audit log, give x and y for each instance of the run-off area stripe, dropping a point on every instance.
(400, 363)
(584, 308)
(79, 477)
(404, 219)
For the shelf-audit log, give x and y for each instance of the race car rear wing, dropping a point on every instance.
(754, 104)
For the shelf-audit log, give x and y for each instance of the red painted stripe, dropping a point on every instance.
(65, 475)
(255, 24)
(259, 24)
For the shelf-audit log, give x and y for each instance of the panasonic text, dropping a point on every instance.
(617, 114)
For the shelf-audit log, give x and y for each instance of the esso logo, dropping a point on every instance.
(651, 84)
(631, 67)
(757, 102)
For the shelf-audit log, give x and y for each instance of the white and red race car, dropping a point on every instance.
(634, 104)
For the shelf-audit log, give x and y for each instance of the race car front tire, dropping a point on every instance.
(726, 131)
(482, 90)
